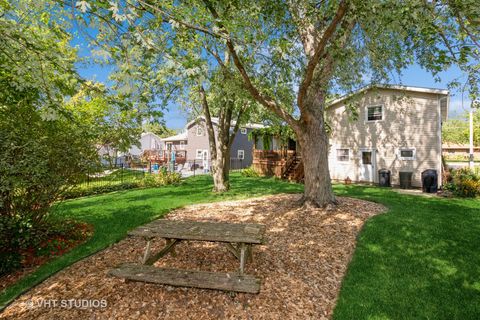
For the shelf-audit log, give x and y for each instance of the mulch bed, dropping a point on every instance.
(301, 267)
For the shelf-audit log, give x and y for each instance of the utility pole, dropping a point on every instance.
(471, 163)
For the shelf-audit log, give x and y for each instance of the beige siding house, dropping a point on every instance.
(396, 128)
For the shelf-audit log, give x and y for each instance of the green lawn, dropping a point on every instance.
(420, 260)
(113, 214)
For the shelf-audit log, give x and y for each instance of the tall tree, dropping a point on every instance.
(291, 55)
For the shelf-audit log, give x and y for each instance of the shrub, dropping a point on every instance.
(24, 243)
(162, 178)
(89, 190)
(464, 183)
(249, 172)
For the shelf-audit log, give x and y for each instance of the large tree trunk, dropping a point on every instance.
(220, 169)
(313, 139)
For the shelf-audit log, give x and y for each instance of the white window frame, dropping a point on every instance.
(169, 145)
(242, 153)
(342, 161)
(182, 145)
(243, 130)
(375, 106)
(414, 153)
(200, 131)
(199, 154)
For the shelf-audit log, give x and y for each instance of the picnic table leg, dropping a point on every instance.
(172, 251)
(243, 249)
(146, 254)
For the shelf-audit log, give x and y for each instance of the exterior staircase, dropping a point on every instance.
(293, 169)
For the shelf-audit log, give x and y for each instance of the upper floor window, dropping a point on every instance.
(374, 113)
(243, 130)
(241, 154)
(343, 155)
(406, 153)
(182, 145)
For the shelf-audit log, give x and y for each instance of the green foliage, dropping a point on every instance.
(249, 172)
(162, 178)
(109, 184)
(457, 130)
(464, 183)
(281, 132)
(24, 243)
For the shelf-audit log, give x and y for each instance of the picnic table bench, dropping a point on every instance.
(237, 237)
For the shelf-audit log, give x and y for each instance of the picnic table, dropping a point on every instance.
(238, 238)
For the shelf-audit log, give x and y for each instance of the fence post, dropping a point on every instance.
(121, 174)
(194, 167)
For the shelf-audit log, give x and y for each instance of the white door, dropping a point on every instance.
(367, 165)
(205, 160)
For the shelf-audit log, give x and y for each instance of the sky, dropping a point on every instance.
(413, 76)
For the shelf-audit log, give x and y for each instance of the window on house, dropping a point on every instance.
(169, 146)
(343, 155)
(374, 113)
(241, 154)
(182, 145)
(366, 157)
(198, 154)
(199, 130)
(407, 154)
(243, 130)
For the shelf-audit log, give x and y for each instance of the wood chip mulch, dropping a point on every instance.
(301, 267)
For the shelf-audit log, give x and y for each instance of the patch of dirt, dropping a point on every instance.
(301, 267)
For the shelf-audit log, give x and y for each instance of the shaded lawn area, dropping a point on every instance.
(421, 260)
(113, 214)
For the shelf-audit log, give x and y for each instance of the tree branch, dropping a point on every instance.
(319, 51)
(208, 120)
(265, 100)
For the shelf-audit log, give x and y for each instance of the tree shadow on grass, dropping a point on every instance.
(420, 260)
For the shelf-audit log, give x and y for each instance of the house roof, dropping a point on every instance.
(151, 133)
(392, 87)
(215, 121)
(179, 137)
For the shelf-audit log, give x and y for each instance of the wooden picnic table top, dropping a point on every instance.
(202, 231)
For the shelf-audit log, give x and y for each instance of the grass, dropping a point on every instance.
(421, 260)
(113, 214)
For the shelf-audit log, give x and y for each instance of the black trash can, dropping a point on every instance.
(429, 181)
(384, 178)
(406, 179)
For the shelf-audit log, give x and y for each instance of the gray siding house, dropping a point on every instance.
(194, 140)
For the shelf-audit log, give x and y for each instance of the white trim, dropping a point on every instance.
(439, 135)
(393, 87)
(373, 160)
(243, 130)
(242, 152)
(181, 145)
(197, 155)
(414, 153)
(342, 161)
(374, 106)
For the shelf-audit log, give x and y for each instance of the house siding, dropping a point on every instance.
(195, 142)
(410, 120)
